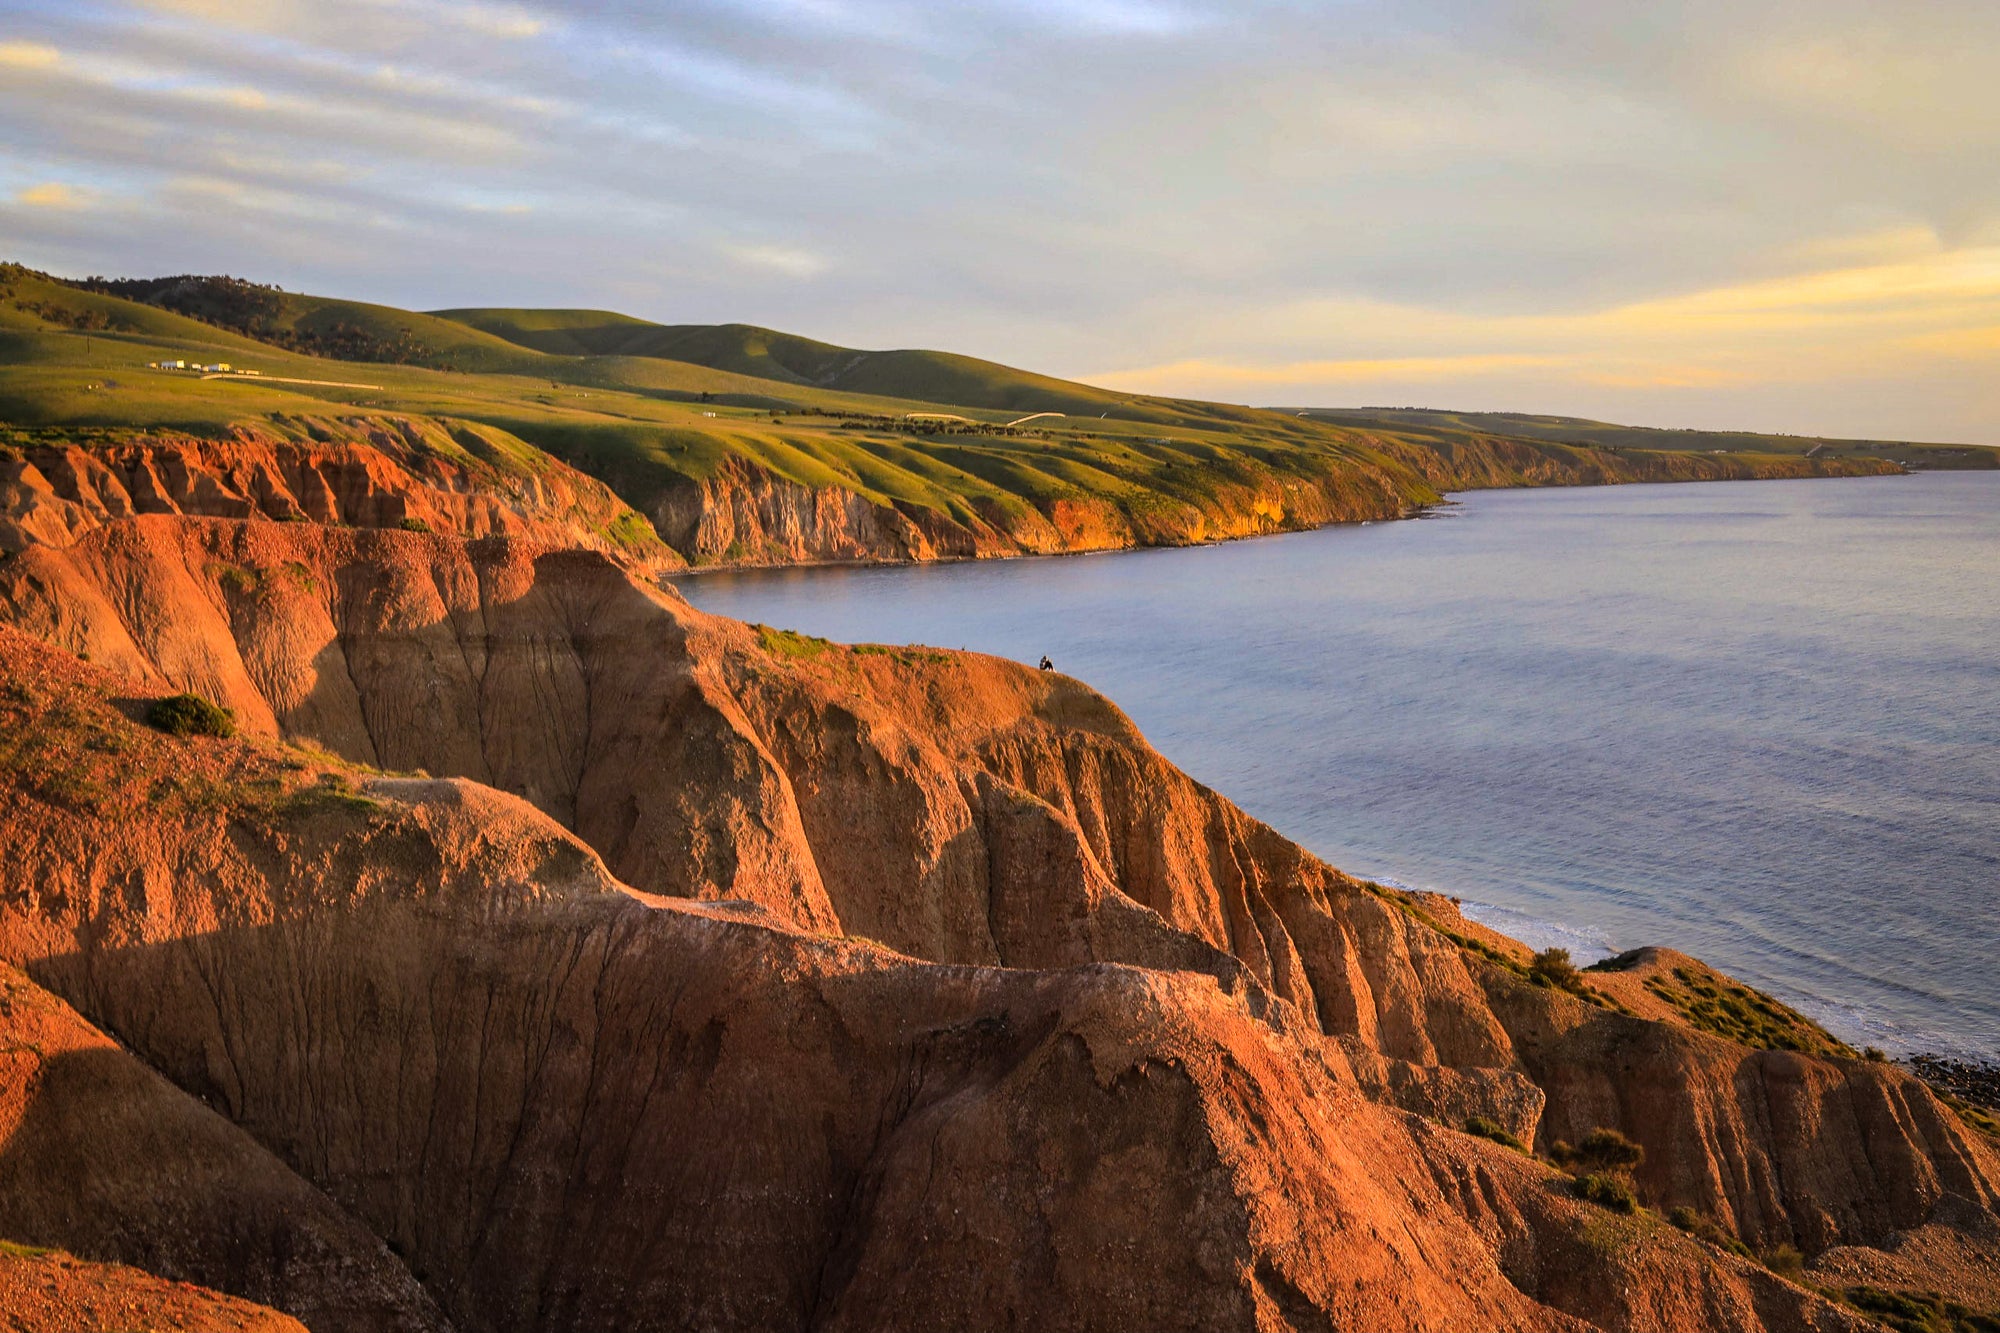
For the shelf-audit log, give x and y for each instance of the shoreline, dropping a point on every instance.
(1447, 501)
(1974, 1081)
(1854, 1008)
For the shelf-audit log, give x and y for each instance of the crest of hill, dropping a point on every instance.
(319, 325)
(746, 349)
(1586, 433)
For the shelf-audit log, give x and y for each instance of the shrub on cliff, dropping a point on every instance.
(1492, 1129)
(1709, 1230)
(1602, 1151)
(1607, 1191)
(1552, 968)
(1602, 1164)
(1785, 1261)
(1919, 1311)
(190, 715)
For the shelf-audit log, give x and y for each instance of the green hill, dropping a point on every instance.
(1607, 435)
(747, 445)
(785, 358)
(318, 325)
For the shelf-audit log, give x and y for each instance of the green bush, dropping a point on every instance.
(190, 715)
(1785, 1261)
(414, 525)
(1709, 1230)
(1492, 1129)
(1919, 1311)
(1552, 968)
(1607, 1191)
(1603, 1151)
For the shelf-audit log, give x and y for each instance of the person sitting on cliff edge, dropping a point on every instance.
(1046, 664)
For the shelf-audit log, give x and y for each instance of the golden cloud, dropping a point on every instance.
(53, 194)
(1926, 303)
(27, 55)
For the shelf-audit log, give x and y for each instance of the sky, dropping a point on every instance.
(1710, 213)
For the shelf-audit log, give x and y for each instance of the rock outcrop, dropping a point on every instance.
(433, 475)
(57, 1293)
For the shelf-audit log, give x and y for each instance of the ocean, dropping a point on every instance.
(1756, 721)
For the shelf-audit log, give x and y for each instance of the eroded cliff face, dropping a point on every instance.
(569, 1106)
(744, 514)
(961, 810)
(1488, 461)
(101, 1157)
(435, 475)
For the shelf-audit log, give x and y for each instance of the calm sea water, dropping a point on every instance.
(1759, 722)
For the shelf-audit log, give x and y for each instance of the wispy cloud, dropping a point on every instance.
(1783, 215)
(792, 263)
(52, 194)
(1820, 326)
(27, 55)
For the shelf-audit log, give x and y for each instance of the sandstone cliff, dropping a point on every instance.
(56, 1293)
(745, 514)
(1454, 461)
(964, 812)
(428, 474)
(568, 1106)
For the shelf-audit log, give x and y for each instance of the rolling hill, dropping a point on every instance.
(1607, 435)
(745, 349)
(743, 445)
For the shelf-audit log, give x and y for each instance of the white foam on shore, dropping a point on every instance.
(1851, 1023)
(1586, 944)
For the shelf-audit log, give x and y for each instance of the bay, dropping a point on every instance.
(1756, 721)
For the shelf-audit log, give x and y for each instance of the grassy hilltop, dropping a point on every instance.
(1606, 435)
(748, 445)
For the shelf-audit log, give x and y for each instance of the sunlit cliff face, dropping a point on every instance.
(1752, 214)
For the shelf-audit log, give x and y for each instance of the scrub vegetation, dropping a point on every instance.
(1714, 1003)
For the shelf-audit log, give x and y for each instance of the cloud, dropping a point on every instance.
(53, 194)
(1747, 206)
(27, 55)
(1828, 326)
(1249, 378)
(785, 260)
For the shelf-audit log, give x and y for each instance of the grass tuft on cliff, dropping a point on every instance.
(1709, 1231)
(66, 741)
(190, 715)
(1482, 1127)
(1919, 1311)
(1715, 1003)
